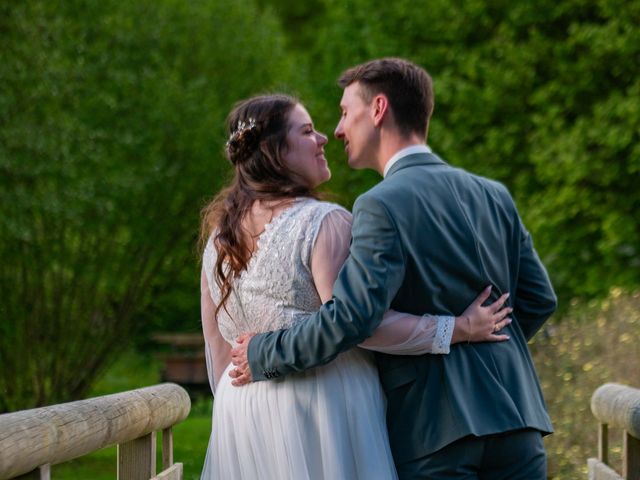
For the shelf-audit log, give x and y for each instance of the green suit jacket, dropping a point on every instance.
(428, 238)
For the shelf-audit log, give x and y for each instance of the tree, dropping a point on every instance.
(543, 96)
(111, 135)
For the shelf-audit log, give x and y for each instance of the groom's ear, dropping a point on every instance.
(379, 108)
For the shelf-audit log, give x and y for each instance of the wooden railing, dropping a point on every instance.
(33, 440)
(619, 406)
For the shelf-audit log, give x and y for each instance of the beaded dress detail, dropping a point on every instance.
(276, 290)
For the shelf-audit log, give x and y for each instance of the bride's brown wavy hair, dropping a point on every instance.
(257, 129)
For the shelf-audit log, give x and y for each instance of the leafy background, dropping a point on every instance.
(111, 133)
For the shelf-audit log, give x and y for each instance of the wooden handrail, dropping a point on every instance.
(619, 406)
(58, 433)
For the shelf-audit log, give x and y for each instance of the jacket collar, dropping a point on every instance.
(414, 160)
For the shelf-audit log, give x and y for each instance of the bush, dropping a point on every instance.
(111, 133)
(543, 96)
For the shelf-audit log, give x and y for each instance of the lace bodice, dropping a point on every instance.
(277, 288)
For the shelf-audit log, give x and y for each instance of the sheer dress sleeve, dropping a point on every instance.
(217, 350)
(399, 333)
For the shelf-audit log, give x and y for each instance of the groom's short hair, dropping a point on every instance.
(407, 86)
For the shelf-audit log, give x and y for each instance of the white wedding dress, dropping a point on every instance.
(325, 423)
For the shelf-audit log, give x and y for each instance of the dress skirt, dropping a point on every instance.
(325, 423)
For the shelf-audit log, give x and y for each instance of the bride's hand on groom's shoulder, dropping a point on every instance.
(242, 372)
(483, 324)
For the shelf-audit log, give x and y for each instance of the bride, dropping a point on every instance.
(272, 252)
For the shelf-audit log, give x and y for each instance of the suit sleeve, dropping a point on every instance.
(535, 300)
(398, 333)
(366, 284)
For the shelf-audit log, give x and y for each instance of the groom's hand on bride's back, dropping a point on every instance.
(242, 372)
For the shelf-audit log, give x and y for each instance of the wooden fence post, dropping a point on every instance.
(137, 458)
(603, 443)
(631, 457)
(167, 448)
(41, 473)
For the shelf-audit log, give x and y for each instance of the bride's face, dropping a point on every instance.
(305, 149)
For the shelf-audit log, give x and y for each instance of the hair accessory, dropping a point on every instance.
(241, 129)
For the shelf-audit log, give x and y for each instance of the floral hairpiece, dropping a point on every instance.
(241, 129)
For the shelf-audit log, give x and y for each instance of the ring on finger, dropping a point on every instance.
(496, 327)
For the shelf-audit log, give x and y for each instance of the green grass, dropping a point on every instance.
(190, 438)
(190, 443)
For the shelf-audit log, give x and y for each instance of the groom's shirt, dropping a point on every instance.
(405, 152)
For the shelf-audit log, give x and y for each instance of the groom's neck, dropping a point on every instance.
(392, 144)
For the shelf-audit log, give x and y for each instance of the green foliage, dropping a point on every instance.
(111, 133)
(543, 96)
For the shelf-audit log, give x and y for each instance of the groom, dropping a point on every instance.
(426, 239)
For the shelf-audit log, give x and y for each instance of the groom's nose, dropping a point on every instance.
(339, 132)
